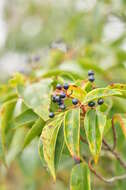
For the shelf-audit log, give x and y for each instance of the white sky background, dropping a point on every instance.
(3, 26)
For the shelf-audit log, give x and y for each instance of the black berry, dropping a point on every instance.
(91, 78)
(57, 98)
(90, 72)
(51, 114)
(54, 98)
(60, 102)
(91, 104)
(62, 107)
(75, 101)
(58, 86)
(100, 101)
(66, 86)
(62, 95)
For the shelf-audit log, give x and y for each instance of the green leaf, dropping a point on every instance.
(80, 177)
(16, 145)
(2, 153)
(37, 97)
(25, 118)
(94, 123)
(121, 118)
(120, 87)
(18, 79)
(34, 131)
(40, 151)
(49, 137)
(56, 72)
(72, 132)
(117, 86)
(7, 111)
(59, 147)
(100, 93)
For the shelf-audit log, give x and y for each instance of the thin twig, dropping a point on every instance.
(122, 163)
(114, 135)
(111, 180)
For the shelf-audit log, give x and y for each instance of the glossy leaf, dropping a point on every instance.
(37, 97)
(34, 131)
(80, 177)
(100, 93)
(72, 132)
(94, 124)
(49, 137)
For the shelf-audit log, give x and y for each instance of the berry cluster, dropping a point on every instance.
(61, 93)
(59, 97)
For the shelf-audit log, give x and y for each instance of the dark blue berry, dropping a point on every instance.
(57, 98)
(62, 107)
(60, 102)
(90, 72)
(66, 86)
(100, 101)
(91, 78)
(58, 86)
(51, 114)
(54, 98)
(75, 101)
(62, 95)
(91, 104)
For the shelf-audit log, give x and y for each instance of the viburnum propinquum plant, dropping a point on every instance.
(70, 117)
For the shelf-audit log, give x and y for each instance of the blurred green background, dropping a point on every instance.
(39, 37)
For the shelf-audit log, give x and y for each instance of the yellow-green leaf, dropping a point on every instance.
(76, 92)
(37, 97)
(121, 118)
(6, 115)
(34, 131)
(72, 132)
(49, 137)
(80, 177)
(100, 93)
(94, 123)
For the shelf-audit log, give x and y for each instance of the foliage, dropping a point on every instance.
(79, 122)
(82, 143)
